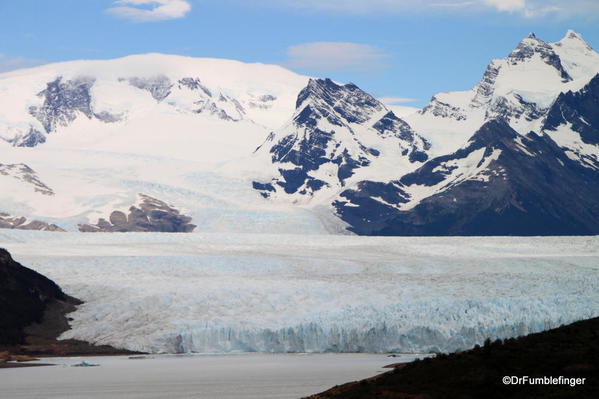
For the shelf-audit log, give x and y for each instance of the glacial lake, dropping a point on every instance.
(242, 376)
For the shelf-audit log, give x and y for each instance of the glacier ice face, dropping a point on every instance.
(313, 293)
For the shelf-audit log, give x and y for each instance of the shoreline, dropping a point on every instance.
(41, 340)
(227, 377)
(569, 351)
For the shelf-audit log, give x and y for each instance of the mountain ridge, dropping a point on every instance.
(231, 143)
(517, 192)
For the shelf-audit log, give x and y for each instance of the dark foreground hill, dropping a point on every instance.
(33, 313)
(570, 351)
(24, 297)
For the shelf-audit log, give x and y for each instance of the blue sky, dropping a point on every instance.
(391, 48)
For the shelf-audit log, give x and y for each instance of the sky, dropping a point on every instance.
(401, 50)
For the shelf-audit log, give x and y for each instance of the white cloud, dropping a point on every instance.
(507, 5)
(402, 111)
(396, 100)
(12, 63)
(531, 8)
(329, 56)
(394, 104)
(455, 4)
(150, 10)
(525, 8)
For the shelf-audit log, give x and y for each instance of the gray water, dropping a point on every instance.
(245, 376)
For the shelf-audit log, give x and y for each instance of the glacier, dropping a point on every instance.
(241, 292)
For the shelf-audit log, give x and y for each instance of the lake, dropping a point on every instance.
(243, 376)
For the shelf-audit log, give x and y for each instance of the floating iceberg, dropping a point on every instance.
(85, 364)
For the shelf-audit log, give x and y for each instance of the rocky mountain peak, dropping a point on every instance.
(527, 47)
(573, 35)
(336, 130)
(575, 40)
(348, 101)
(531, 46)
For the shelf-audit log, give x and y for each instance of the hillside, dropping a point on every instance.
(33, 313)
(570, 351)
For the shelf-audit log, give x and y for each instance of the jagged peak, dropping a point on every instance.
(530, 42)
(322, 83)
(533, 46)
(332, 99)
(574, 39)
(352, 86)
(327, 84)
(571, 34)
(316, 88)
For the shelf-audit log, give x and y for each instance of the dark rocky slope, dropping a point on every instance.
(33, 313)
(571, 351)
(326, 132)
(580, 109)
(528, 187)
(24, 297)
(544, 182)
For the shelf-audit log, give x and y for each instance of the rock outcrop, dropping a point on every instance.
(21, 223)
(150, 215)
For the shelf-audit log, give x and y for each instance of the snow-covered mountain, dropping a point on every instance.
(184, 132)
(81, 140)
(519, 89)
(529, 168)
(338, 134)
(254, 147)
(500, 183)
(51, 98)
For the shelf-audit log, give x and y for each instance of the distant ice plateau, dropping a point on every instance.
(215, 293)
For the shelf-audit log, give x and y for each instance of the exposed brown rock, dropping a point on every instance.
(21, 223)
(151, 215)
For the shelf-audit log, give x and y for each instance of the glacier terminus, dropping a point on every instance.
(223, 293)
